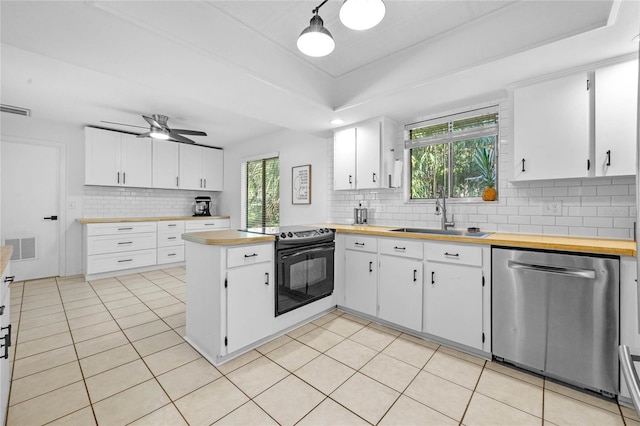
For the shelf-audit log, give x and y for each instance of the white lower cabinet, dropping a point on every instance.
(400, 283)
(170, 242)
(6, 337)
(250, 304)
(453, 296)
(361, 274)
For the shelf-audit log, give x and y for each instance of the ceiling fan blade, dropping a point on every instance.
(122, 124)
(178, 138)
(144, 135)
(153, 122)
(189, 132)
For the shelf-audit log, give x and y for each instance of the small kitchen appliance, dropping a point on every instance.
(202, 206)
(360, 215)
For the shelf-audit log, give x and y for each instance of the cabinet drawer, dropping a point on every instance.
(171, 226)
(117, 261)
(247, 255)
(166, 239)
(120, 243)
(358, 242)
(403, 248)
(170, 254)
(461, 254)
(120, 228)
(206, 225)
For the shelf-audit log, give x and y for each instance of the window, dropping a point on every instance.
(448, 152)
(262, 193)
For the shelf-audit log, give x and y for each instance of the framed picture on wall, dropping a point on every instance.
(301, 184)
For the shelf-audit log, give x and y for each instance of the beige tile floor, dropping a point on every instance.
(110, 352)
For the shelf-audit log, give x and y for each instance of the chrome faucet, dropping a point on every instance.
(441, 209)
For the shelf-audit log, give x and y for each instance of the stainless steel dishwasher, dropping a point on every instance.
(557, 314)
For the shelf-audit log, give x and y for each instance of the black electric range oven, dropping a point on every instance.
(303, 264)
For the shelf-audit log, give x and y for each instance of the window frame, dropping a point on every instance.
(243, 183)
(449, 139)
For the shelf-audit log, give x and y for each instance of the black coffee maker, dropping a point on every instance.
(202, 206)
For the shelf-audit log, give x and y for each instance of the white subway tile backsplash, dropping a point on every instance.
(105, 202)
(613, 190)
(598, 222)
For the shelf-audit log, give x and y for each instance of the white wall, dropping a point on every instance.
(295, 149)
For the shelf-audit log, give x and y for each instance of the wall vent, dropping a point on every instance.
(15, 110)
(23, 248)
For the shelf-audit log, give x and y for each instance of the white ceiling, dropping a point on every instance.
(232, 69)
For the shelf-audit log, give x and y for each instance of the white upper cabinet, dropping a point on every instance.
(616, 119)
(344, 155)
(201, 168)
(363, 156)
(116, 159)
(166, 162)
(551, 129)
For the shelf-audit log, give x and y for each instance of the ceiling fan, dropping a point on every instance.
(159, 129)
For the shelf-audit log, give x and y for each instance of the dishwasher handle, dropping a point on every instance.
(558, 270)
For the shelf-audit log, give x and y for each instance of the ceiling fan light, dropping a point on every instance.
(362, 14)
(159, 134)
(316, 40)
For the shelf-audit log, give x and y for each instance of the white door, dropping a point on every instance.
(616, 119)
(136, 161)
(344, 159)
(368, 155)
(453, 303)
(213, 169)
(551, 129)
(165, 164)
(30, 194)
(361, 282)
(401, 291)
(190, 167)
(249, 304)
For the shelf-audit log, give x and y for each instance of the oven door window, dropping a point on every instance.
(305, 275)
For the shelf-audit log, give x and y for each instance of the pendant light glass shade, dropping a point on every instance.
(362, 14)
(316, 40)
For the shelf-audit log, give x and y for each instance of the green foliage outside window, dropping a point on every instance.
(263, 193)
(445, 154)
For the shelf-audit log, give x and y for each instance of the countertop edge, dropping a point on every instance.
(226, 237)
(5, 257)
(146, 219)
(548, 242)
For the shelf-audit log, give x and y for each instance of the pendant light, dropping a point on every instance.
(316, 40)
(362, 14)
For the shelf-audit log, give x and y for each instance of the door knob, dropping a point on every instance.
(51, 218)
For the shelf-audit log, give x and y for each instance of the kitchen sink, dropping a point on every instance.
(455, 232)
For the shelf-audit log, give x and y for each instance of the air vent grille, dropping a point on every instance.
(15, 110)
(23, 248)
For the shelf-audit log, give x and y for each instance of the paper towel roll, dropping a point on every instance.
(396, 181)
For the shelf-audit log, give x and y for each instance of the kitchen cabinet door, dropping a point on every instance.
(344, 159)
(213, 170)
(102, 157)
(616, 119)
(551, 129)
(5, 364)
(136, 161)
(166, 163)
(368, 145)
(250, 304)
(361, 281)
(629, 321)
(453, 303)
(400, 293)
(191, 173)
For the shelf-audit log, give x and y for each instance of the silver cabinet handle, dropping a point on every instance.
(451, 254)
(558, 270)
(205, 183)
(415, 278)
(177, 181)
(266, 278)
(370, 266)
(172, 238)
(125, 229)
(171, 254)
(9, 279)
(251, 255)
(124, 178)
(172, 225)
(374, 177)
(125, 260)
(118, 177)
(359, 244)
(125, 242)
(400, 248)
(350, 179)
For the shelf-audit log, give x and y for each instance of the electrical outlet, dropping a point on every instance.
(552, 208)
(72, 205)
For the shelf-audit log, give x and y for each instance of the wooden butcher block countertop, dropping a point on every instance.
(226, 237)
(147, 219)
(547, 242)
